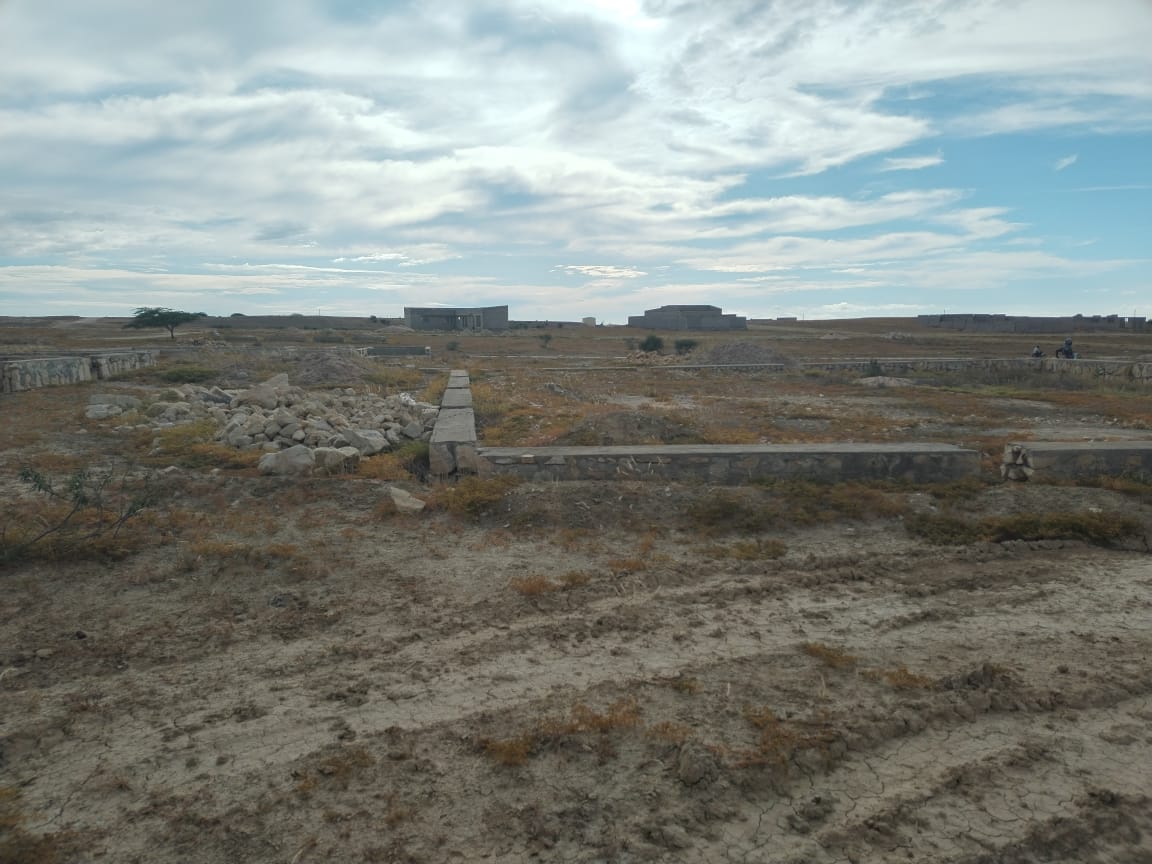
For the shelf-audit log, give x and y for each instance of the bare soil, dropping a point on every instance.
(287, 671)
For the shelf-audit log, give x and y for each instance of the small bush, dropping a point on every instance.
(685, 346)
(84, 517)
(726, 512)
(188, 375)
(651, 343)
(509, 752)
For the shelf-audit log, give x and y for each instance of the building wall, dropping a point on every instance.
(1032, 323)
(688, 318)
(437, 318)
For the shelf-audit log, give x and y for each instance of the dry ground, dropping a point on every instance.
(268, 670)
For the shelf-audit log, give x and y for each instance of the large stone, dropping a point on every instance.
(332, 460)
(296, 460)
(368, 441)
(404, 501)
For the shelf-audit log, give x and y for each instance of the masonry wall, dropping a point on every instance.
(34, 373)
(734, 464)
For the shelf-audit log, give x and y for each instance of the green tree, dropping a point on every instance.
(158, 316)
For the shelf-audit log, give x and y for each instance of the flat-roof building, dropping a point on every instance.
(443, 318)
(688, 318)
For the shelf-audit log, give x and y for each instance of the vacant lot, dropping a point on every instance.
(263, 669)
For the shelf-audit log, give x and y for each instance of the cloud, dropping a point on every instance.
(459, 149)
(1061, 164)
(604, 271)
(911, 163)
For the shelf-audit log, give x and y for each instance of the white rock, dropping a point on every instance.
(296, 460)
(404, 501)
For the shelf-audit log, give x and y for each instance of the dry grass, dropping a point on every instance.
(829, 655)
(533, 586)
(17, 844)
(623, 714)
(1098, 529)
(408, 462)
(778, 741)
(900, 678)
(472, 496)
(748, 550)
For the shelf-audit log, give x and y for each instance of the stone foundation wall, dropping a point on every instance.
(734, 464)
(32, 374)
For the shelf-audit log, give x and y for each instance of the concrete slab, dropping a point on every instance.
(456, 398)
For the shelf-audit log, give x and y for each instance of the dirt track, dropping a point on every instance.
(979, 704)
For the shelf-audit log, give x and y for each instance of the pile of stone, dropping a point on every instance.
(289, 424)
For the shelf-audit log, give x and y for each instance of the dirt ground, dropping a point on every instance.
(287, 671)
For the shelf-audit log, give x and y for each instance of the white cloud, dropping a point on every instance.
(911, 163)
(389, 139)
(1061, 164)
(604, 271)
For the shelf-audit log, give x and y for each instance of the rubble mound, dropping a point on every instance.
(323, 368)
(734, 353)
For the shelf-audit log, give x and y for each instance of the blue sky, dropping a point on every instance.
(572, 158)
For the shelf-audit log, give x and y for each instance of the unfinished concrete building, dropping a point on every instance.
(688, 318)
(442, 318)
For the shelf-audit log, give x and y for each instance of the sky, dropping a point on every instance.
(576, 158)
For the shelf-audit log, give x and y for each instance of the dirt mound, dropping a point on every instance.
(320, 368)
(629, 427)
(746, 352)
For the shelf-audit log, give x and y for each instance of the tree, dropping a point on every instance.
(158, 316)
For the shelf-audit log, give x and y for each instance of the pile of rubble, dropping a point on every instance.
(752, 353)
(298, 430)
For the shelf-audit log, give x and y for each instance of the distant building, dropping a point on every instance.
(588, 322)
(688, 318)
(1032, 323)
(440, 318)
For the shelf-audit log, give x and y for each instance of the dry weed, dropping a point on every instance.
(900, 678)
(829, 655)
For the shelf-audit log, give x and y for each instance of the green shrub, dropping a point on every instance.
(188, 374)
(685, 346)
(651, 343)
